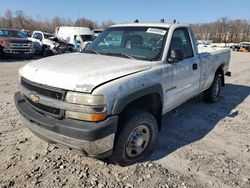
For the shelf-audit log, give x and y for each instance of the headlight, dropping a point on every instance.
(95, 106)
(19, 75)
(4, 43)
(85, 99)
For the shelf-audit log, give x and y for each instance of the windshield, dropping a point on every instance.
(87, 37)
(12, 33)
(145, 43)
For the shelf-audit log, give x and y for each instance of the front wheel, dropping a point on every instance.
(212, 94)
(135, 138)
(45, 51)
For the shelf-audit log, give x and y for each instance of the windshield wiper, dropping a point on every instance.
(126, 55)
(92, 50)
(120, 54)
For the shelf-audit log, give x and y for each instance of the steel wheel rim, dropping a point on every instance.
(138, 141)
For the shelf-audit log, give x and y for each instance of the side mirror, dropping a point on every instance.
(176, 55)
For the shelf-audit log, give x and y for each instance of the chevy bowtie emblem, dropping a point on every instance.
(34, 97)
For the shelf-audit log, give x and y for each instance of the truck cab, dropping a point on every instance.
(42, 44)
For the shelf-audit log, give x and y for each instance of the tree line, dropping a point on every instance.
(223, 30)
(19, 20)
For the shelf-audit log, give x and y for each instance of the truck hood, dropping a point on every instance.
(80, 71)
(14, 39)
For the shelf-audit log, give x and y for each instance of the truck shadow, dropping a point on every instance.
(194, 119)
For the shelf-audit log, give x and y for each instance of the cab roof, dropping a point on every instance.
(162, 25)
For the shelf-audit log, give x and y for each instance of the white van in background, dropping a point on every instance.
(78, 36)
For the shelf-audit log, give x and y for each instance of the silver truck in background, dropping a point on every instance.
(109, 100)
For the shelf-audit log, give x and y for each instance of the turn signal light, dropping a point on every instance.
(85, 116)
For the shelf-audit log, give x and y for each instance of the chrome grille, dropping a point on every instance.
(46, 91)
(19, 45)
(51, 93)
(55, 112)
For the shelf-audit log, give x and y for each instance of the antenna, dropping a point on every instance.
(78, 16)
(136, 21)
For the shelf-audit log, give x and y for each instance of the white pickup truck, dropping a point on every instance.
(109, 100)
(48, 44)
(42, 43)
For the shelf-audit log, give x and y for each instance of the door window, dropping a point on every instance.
(181, 40)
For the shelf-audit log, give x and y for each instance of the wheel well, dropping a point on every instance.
(150, 103)
(220, 71)
(44, 46)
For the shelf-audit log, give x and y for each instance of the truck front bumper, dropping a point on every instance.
(90, 139)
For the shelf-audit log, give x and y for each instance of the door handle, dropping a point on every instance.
(195, 66)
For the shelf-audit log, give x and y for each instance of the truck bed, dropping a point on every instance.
(212, 50)
(210, 59)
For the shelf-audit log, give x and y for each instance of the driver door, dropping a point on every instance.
(185, 73)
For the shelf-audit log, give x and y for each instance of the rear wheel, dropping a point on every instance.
(136, 137)
(212, 94)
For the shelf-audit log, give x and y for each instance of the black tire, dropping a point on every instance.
(2, 54)
(212, 94)
(131, 121)
(30, 57)
(45, 51)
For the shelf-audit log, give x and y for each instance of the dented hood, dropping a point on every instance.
(80, 71)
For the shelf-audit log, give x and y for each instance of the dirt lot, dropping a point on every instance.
(201, 145)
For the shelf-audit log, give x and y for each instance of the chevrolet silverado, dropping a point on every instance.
(109, 100)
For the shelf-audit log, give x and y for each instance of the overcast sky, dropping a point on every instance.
(185, 11)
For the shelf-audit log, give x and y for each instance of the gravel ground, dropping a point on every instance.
(201, 145)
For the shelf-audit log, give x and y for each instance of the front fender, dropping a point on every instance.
(49, 43)
(124, 100)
